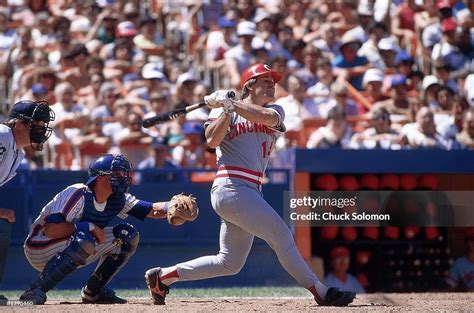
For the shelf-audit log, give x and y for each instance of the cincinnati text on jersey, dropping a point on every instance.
(247, 127)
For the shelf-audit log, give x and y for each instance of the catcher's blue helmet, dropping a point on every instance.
(117, 166)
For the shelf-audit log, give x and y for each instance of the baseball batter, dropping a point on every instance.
(244, 133)
(27, 125)
(71, 230)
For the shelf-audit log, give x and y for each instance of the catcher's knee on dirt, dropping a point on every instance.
(110, 265)
(65, 262)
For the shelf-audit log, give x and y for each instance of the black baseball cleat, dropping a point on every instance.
(105, 296)
(3, 300)
(335, 297)
(158, 290)
(36, 295)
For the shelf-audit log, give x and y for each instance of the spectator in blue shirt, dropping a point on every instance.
(461, 274)
(339, 277)
(354, 65)
(160, 160)
(7, 35)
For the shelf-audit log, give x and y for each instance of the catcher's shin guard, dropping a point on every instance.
(128, 237)
(335, 297)
(158, 290)
(59, 266)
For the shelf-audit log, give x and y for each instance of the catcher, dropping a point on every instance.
(71, 230)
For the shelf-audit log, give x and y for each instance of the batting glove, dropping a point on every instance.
(211, 101)
(220, 98)
(227, 106)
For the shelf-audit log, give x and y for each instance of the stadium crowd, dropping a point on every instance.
(368, 74)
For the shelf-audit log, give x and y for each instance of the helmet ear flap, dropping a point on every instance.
(246, 87)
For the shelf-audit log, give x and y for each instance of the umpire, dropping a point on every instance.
(27, 125)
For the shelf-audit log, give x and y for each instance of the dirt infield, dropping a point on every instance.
(421, 302)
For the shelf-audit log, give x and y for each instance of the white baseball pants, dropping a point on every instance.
(246, 214)
(38, 257)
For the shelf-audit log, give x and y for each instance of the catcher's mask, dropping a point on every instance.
(117, 166)
(38, 114)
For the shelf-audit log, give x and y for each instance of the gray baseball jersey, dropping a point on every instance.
(10, 155)
(245, 150)
(237, 199)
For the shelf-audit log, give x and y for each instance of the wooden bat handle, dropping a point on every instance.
(193, 107)
(149, 122)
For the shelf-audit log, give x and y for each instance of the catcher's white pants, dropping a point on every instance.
(39, 256)
(246, 214)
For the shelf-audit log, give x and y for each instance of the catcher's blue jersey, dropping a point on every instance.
(76, 203)
(114, 206)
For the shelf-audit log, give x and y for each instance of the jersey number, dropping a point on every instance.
(2, 152)
(266, 152)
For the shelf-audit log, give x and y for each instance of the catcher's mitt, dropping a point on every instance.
(182, 208)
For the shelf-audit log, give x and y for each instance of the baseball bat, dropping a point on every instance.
(168, 116)
(356, 95)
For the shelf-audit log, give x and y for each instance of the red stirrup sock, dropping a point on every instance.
(169, 275)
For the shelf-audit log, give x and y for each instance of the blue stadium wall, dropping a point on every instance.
(163, 245)
(160, 245)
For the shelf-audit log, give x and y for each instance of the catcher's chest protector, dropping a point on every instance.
(115, 204)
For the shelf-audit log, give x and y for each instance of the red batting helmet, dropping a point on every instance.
(349, 183)
(340, 251)
(408, 182)
(391, 232)
(431, 233)
(428, 181)
(349, 233)
(326, 182)
(329, 232)
(371, 232)
(370, 182)
(411, 232)
(257, 70)
(390, 182)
